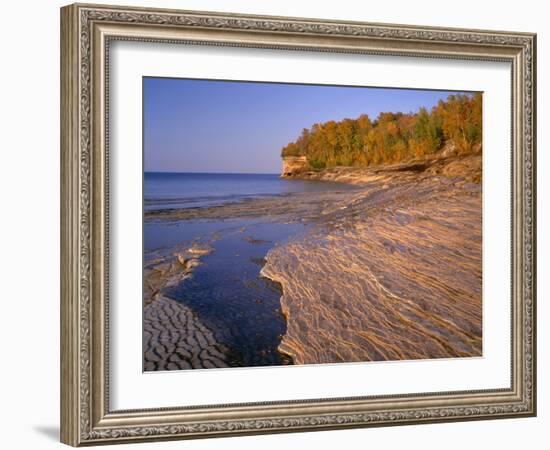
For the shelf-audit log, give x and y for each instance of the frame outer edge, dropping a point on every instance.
(79, 336)
(70, 299)
(533, 235)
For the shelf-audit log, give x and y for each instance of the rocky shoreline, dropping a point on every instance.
(394, 273)
(466, 167)
(390, 270)
(174, 338)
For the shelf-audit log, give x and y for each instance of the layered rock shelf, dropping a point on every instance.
(393, 273)
(173, 336)
(388, 270)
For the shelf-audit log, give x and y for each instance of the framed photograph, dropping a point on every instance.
(276, 224)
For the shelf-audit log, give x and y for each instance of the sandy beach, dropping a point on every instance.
(390, 270)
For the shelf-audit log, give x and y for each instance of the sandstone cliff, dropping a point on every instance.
(293, 165)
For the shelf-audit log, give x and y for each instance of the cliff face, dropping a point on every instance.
(467, 167)
(293, 165)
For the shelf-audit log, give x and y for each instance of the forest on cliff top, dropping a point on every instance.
(393, 136)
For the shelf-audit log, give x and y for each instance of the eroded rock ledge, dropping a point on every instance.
(466, 167)
(173, 336)
(393, 273)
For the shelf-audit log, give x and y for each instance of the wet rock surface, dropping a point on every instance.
(390, 270)
(392, 274)
(173, 336)
(208, 297)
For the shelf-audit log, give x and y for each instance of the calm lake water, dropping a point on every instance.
(164, 190)
(226, 291)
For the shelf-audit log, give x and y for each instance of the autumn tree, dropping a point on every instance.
(392, 137)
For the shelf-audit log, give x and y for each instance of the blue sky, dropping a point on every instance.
(240, 127)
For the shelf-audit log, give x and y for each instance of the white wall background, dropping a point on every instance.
(29, 236)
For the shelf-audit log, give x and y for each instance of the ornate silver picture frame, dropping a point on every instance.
(87, 32)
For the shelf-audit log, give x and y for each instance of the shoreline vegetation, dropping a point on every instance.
(389, 270)
(452, 127)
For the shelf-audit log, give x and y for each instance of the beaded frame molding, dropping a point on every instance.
(86, 33)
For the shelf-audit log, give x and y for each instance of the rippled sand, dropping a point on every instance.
(394, 273)
(173, 336)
